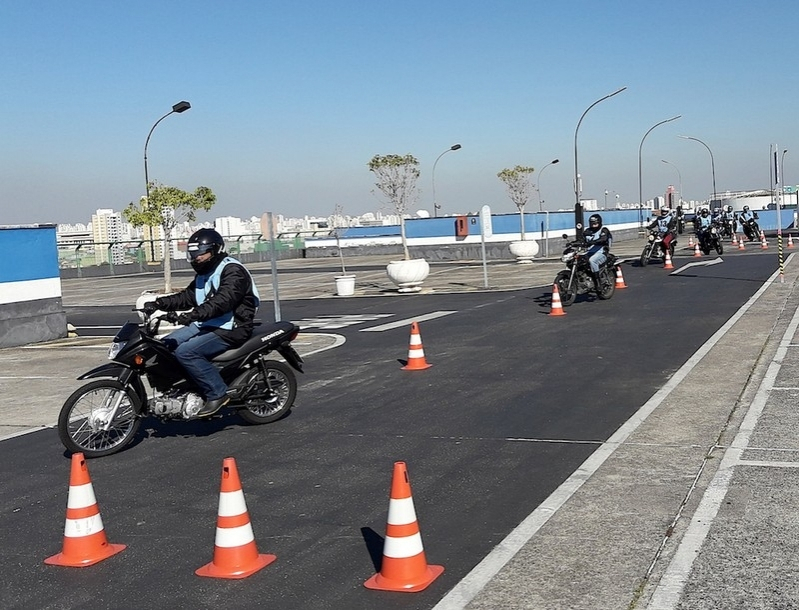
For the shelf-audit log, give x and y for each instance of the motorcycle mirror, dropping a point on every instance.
(565, 236)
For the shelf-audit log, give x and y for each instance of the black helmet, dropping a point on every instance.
(704, 212)
(202, 241)
(746, 208)
(595, 221)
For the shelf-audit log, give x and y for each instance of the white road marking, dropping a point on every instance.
(407, 322)
(715, 261)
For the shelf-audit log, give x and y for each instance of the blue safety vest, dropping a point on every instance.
(206, 285)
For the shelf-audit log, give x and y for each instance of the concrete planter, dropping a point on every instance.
(524, 251)
(408, 275)
(345, 285)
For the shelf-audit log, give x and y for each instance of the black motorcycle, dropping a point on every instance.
(750, 228)
(103, 416)
(578, 279)
(710, 239)
(654, 247)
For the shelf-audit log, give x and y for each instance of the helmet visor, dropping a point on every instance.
(193, 250)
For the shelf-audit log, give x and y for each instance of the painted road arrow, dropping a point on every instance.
(715, 261)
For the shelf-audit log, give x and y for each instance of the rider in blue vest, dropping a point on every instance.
(222, 301)
(598, 239)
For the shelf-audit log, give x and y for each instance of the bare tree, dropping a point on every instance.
(396, 178)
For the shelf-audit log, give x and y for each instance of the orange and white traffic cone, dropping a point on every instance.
(235, 552)
(667, 264)
(556, 307)
(734, 240)
(416, 359)
(696, 250)
(404, 567)
(84, 537)
(790, 241)
(741, 245)
(619, 278)
(690, 241)
(763, 242)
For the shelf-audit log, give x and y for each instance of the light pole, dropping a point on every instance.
(578, 208)
(679, 178)
(177, 108)
(436, 207)
(712, 164)
(538, 185)
(640, 187)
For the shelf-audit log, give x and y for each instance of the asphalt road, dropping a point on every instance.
(514, 402)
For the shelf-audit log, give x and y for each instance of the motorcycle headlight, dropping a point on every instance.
(713, 230)
(115, 348)
(567, 257)
(651, 237)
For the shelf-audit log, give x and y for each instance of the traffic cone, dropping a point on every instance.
(790, 241)
(84, 537)
(416, 360)
(696, 250)
(667, 264)
(763, 242)
(734, 240)
(741, 245)
(404, 567)
(235, 553)
(619, 278)
(690, 241)
(556, 307)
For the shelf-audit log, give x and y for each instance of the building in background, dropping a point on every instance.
(108, 233)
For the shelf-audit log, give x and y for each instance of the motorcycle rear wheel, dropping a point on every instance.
(83, 418)
(269, 397)
(567, 297)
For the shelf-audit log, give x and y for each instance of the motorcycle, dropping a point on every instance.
(654, 247)
(578, 279)
(101, 417)
(750, 228)
(710, 239)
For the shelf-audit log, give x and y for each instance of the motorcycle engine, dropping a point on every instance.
(584, 283)
(163, 405)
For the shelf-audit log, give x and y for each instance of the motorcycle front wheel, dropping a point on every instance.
(645, 255)
(567, 297)
(99, 418)
(719, 248)
(268, 397)
(607, 283)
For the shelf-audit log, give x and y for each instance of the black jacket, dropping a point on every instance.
(234, 294)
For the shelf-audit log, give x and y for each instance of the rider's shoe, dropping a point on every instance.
(212, 406)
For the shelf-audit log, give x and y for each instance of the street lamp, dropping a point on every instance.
(176, 109)
(712, 164)
(578, 208)
(640, 188)
(538, 186)
(679, 178)
(437, 207)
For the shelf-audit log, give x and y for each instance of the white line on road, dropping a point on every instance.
(406, 322)
(715, 261)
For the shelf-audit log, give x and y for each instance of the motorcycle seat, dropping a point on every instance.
(268, 333)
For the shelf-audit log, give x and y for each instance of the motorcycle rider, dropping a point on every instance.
(666, 225)
(745, 218)
(728, 220)
(599, 239)
(222, 299)
(704, 222)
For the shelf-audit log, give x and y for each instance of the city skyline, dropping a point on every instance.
(289, 102)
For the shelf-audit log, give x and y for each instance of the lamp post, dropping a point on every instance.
(679, 178)
(436, 207)
(538, 185)
(640, 187)
(712, 164)
(177, 108)
(578, 208)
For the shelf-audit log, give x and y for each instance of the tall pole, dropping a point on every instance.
(435, 205)
(679, 177)
(538, 184)
(712, 164)
(578, 208)
(177, 108)
(640, 185)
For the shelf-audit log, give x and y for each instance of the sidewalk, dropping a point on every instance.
(690, 505)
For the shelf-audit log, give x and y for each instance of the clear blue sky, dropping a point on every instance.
(291, 99)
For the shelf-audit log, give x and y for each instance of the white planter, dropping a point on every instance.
(408, 275)
(524, 251)
(345, 285)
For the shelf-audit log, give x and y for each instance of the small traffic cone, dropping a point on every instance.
(556, 307)
(790, 241)
(667, 264)
(619, 278)
(404, 567)
(416, 360)
(763, 242)
(696, 250)
(235, 552)
(734, 240)
(84, 537)
(741, 245)
(690, 241)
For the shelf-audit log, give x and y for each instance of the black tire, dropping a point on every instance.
(645, 255)
(82, 416)
(567, 297)
(719, 248)
(705, 251)
(671, 250)
(270, 398)
(607, 283)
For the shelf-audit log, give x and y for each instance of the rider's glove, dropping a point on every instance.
(185, 319)
(150, 308)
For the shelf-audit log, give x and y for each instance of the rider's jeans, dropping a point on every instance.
(194, 349)
(597, 259)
